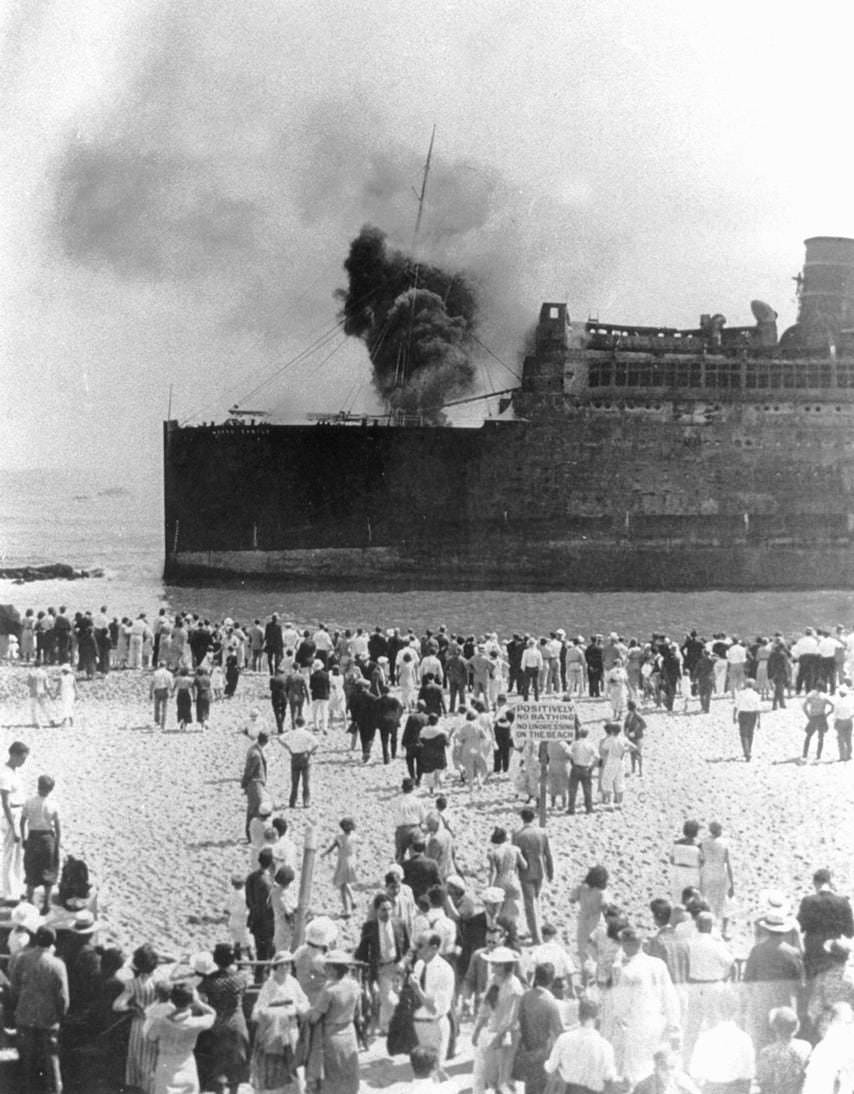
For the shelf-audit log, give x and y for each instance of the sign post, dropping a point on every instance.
(309, 855)
(542, 722)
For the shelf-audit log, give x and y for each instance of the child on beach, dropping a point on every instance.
(238, 919)
(217, 683)
(345, 873)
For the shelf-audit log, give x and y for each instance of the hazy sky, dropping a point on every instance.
(180, 182)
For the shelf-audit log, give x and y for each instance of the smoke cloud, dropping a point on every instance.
(417, 322)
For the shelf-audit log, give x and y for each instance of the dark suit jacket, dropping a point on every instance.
(259, 886)
(255, 768)
(368, 949)
(822, 916)
(420, 873)
(273, 641)
(534, 845)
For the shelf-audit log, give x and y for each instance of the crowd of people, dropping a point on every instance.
(616, 1008)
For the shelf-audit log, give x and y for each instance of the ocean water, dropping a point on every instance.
(113, 521)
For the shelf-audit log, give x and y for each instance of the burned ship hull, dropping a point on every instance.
(636, 458)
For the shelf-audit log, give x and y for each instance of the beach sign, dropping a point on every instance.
(545, 721)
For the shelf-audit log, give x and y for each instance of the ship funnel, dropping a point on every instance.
(827, 289)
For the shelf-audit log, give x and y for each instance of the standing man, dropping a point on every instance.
(409, 815)
(646, 1008)
(531, 666)
(162, 683)
(389, 712)
(254, 781)
(12, 798)
(302, 745)
(279, 698)
(533, 842)
(433, 983)
(260, 920)
(255, 635)
(39, 989)
(273, 643)
(382, 947)
(102, 640)
(823, 917)
(318, 684)
(746, 714)
(817, 708)
(583, 757)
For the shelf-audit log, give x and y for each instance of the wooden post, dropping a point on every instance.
(544, 775)
(309, 855)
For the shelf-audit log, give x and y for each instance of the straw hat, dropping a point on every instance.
(282, 957)
(493, 895)
(85, 923)
(776, 922)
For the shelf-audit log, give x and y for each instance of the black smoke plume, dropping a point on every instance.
(417, 322)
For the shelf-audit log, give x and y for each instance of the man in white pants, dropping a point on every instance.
(433, 981)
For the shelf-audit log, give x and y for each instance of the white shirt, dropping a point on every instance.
(583, 1057)
(408, 810)
(805, 645)
(532, 658)
(323, 641)
(388, 950)
(736, 654)
(432, 665)
(708, 958)
(828, 646)
(747, 701)
(843, 707)
(445, 928)
(438, 986)
(554, 954)
(722, 1054)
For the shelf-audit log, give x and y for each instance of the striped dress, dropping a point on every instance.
(142, 1053)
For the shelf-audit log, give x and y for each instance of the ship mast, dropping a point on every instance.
(404, 355)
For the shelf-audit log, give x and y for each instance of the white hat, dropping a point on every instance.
(203, 963)
(321, 931)
(502, 955)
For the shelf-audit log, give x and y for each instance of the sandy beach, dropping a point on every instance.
(159, 816)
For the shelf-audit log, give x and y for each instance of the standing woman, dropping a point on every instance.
(617, 688)
(280, 1004)
(333, 1017)
(232, 672)
(505, 860)
(139, 993)
(28, 637)
(763, 652)
(183, 691)
(612, 750)
(685, 861)
(202, 690)
(716, 882)
(224, 1048)
(66, 693)
(591, 898)
(434, 756)
(175, 1034)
